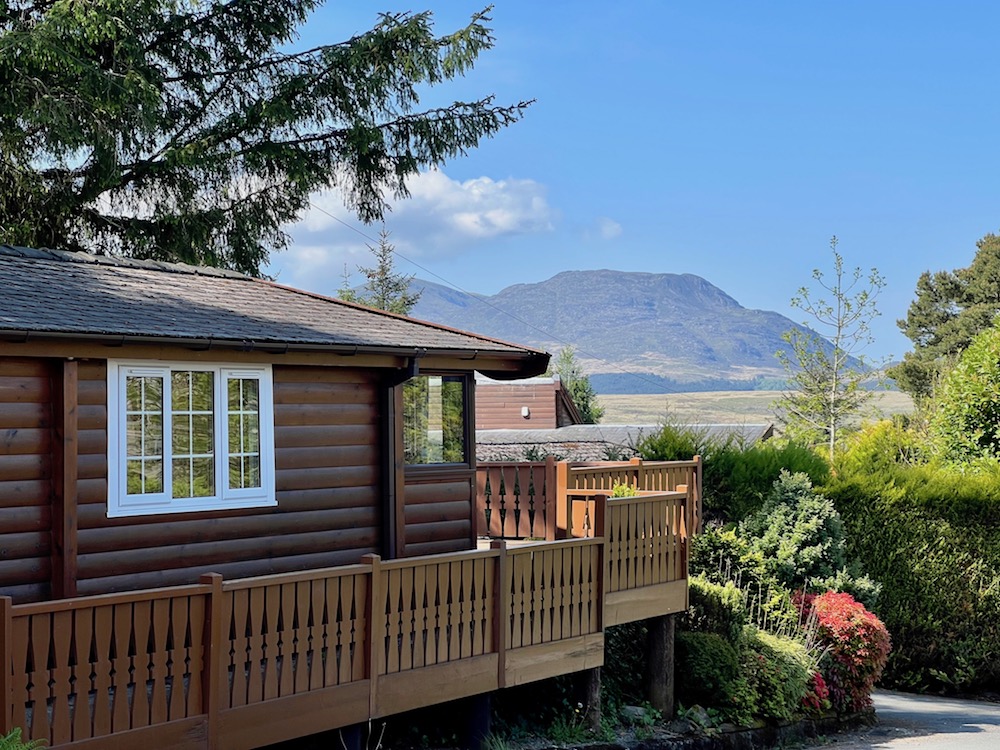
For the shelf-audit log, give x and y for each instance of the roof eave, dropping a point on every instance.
(524, 363)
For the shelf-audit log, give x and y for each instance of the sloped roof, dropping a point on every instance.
(50, 292)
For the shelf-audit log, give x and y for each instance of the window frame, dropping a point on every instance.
(467, 425)
(121, 504)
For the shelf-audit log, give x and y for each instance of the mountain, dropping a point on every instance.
(672, 325)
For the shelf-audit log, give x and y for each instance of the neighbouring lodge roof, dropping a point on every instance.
(56, 293)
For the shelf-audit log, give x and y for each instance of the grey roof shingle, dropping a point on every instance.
(54, 292)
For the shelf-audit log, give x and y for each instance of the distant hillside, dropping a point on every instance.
(678, 326)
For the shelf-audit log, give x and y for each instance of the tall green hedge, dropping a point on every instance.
(931, 537)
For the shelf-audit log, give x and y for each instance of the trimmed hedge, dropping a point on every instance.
(931, 537)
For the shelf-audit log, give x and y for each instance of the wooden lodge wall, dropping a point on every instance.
(328, 482)
(498, 406)
(26, 390)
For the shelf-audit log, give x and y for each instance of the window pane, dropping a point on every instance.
(180, 391)
(182, 477)
(181, 433)
(133, 435)
(202, 434)
(193, 434)
(202, 396)
(152, 470)
(143, 434)
(251, 471)
(244, 432)
(434, 420)
(250, 395)
(202, 477)
(133, 394)
(134, 476)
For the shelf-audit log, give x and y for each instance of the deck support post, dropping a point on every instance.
(478, 714)
(659, 675)
(592, 698)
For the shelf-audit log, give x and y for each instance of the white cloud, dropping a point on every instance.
(442, 218)
(608, 229)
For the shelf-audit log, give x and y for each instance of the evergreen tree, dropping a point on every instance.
(186, 129)
(950, 309)
(384, 289)
(578, 386)
(827, 373)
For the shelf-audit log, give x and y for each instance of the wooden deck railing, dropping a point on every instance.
(516, 500)
(250, 662)
(535, 500)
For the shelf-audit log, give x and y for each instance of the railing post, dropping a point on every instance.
(375, 625)
(501, 617)
(7, 654)
(564, 506)
(600, 520)
(698, 466)
(550, 483)
(213, 674)
(684, 533)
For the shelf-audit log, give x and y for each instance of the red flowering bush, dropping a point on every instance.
(856, 647)
(817, 698)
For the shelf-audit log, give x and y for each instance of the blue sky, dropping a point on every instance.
(728, 140)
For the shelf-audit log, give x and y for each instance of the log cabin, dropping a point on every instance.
(234, 513)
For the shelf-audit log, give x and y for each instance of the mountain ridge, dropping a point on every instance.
(674, 325)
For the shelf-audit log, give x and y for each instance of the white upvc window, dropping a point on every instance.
(188, 437)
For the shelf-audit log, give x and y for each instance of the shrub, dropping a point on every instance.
(717, 665)
(13, 741)
(715, 608)
(779, 671)
(623, 490)
(965, 417)
(799, 535)
(932, 538)
(817, 697)
(736, 477)
(879, 447)
(856, 647)
(721, 556)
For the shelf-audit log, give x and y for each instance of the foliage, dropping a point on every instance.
(715, 608)
(716, 662)
(817, 697)
(880, 446)
(827, 372)
(577, 384)
(736, 477)
(950, 309)
(385, 289)
(183, 130)
(779, 671)
(624, 663)
(798, 532)
(623, 490)
(856, 645)
(965, 419)
(800, 538)
(931, 536)
(13, 741)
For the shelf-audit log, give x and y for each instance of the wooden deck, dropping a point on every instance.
(249, 662)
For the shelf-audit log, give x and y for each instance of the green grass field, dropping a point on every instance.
(717, 407)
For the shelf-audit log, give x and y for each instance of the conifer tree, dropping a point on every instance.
(194, 130)
(384, 289)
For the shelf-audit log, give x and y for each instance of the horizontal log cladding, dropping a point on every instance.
(327, 458)
(438, 510)
(25, 477)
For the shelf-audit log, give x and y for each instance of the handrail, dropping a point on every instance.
(96, 666)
